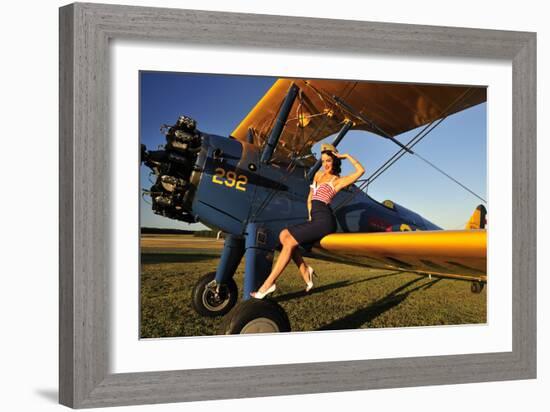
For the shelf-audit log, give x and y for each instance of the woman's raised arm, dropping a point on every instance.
(351, 178)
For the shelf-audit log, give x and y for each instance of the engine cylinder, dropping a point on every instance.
(173, 167)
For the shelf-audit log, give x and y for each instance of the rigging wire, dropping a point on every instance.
(415, 140)
(385, 166)
(450, 177)
(388, 163)
(410, 144)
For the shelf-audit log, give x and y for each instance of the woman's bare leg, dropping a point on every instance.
(300, 262)
(289, 244)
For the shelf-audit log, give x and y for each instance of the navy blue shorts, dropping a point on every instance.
(321, 224)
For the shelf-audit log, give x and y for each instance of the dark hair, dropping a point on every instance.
(336, 162)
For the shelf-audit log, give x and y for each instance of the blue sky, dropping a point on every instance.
(219, 102)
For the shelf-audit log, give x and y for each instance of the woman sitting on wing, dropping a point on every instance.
(321, 220)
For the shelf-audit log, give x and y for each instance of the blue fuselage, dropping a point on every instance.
(234, 188)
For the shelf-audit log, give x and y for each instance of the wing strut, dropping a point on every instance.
(279, 123)
(340, 102)
(416, 139)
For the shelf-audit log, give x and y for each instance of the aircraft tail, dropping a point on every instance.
(478, 220)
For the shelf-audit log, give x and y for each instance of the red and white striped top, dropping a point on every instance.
(323, 192)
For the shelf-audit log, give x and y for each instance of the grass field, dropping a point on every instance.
(344, 296)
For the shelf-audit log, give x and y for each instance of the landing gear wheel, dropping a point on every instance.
(477, 287)
(214, 300)
(256, 316)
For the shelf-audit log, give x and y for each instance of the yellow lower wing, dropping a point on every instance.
(451, 253)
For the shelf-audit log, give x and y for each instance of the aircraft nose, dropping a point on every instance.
(172, 192)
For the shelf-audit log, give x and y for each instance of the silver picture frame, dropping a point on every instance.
(84, 357)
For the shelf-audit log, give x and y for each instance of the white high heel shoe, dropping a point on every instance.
(309, 283)
(261, 295)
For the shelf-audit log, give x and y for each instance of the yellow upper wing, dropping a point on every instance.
(394, 108)
(452, 253)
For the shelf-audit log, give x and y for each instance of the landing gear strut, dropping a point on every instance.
(256, 315)
(212, 299)
(477, 287)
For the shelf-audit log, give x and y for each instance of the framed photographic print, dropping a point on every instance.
(210, 181)
(217, 124)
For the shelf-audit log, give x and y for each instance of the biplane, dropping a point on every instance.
(255, 182)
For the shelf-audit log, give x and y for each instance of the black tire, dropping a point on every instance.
(477, 287)
(255, 316)
(207, 302)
